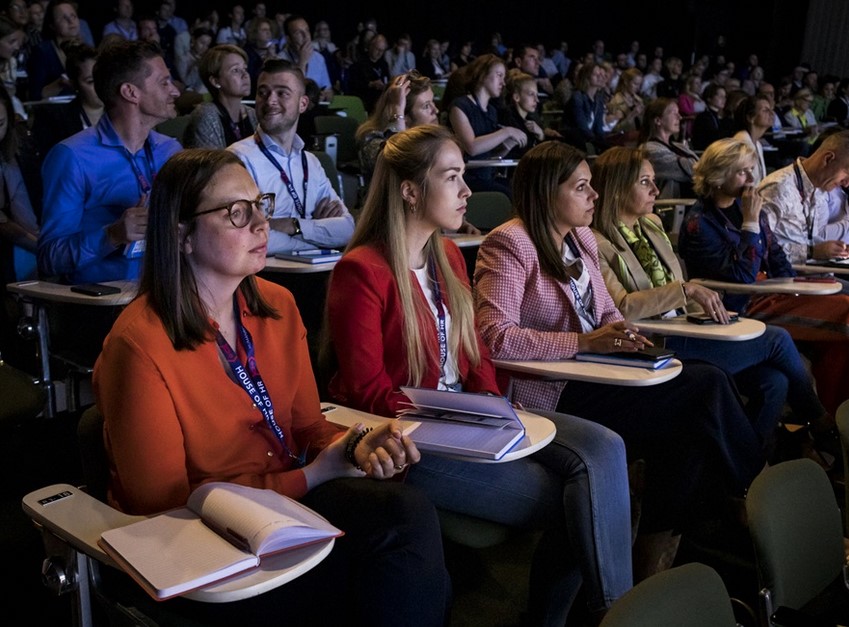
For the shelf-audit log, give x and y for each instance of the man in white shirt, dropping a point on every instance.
(400, 57)
(308, 214)
(795, 199)
(299, 50)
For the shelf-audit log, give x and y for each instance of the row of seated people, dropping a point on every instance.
(146, 369)
(418, 190)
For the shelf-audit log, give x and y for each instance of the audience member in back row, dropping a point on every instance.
(520, 111)
(97, 182)
(645, 280)
(727, 237)
(474, 119)
(300, 51)
(368, 76)
(18, 223)
(753, 118)
(308, 213)
(389, 295)
(46, 65)
(407, 102)
(672, 162)
(584, 114)
(540, 295)
(54, 122)
(201, 322)
(225, 120)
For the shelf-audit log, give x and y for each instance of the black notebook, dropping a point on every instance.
(650, 357)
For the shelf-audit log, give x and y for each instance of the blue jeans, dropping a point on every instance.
(575, 490)
(767, 369)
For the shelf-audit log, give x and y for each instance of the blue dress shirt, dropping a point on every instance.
(88, 184)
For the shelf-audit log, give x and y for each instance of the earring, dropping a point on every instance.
(412, 208)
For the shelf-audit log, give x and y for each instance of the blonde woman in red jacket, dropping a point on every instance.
(400, 313)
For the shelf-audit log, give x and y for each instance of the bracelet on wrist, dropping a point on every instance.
(396, 116)
(351, 446)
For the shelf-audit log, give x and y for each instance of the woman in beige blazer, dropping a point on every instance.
(645, 280)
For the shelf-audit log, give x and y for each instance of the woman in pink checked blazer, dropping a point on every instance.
(540, 295)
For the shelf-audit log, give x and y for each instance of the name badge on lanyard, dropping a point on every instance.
(134, 250)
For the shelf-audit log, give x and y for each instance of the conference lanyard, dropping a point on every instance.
(251, 381)
(441, 333)
(141, 179)
(300, 207)
(583, 311)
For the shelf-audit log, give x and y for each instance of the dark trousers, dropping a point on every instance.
(388, 568)
(684, 429)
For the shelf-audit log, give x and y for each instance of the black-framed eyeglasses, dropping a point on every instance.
(241, 211)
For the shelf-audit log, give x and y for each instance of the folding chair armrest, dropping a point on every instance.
(75, 517)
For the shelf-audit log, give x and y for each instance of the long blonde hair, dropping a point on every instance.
(409, 156)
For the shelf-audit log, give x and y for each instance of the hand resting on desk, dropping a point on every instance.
(613, 337)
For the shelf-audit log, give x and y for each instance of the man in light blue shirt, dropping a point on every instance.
(308, 213)
(97, 182)
(299, 50)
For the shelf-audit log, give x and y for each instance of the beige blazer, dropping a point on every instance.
(627, 282)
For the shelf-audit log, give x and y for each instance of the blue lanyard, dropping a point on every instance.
(441, 334)
(251, 381)
(144, 183)
(300, 207)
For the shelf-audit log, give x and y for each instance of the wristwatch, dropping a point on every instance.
(297, 226)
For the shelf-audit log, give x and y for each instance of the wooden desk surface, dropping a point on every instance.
(743, 329)
(779, 285)
(58, 293)
(569, 369)
(80, 519)
(539, 431)
(813, 268)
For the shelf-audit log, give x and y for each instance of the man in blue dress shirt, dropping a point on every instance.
(97, 182)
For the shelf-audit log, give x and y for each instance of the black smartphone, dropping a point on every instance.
(704, 318)
(95, 289)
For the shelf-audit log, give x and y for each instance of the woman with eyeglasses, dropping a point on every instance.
(206, 376)
(225, 120)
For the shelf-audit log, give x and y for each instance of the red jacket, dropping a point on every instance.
(366, 327)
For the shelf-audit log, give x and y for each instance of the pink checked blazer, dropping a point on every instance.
(524, 314)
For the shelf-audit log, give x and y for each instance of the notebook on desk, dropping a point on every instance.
(322, 255)
(462, 423)
(651, 357)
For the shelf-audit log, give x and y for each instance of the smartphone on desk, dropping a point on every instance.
(95, 289)
(703, 318)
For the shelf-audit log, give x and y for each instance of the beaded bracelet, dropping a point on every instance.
(351, 446)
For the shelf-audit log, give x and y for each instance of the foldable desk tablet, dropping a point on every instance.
(739, 331)
(778, 285)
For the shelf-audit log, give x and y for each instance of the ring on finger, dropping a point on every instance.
(631, 336)
(400, 466)
(617, 342)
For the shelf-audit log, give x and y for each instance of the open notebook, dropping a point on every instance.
(225, 529)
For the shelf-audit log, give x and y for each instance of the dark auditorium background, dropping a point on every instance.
(774, 29)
